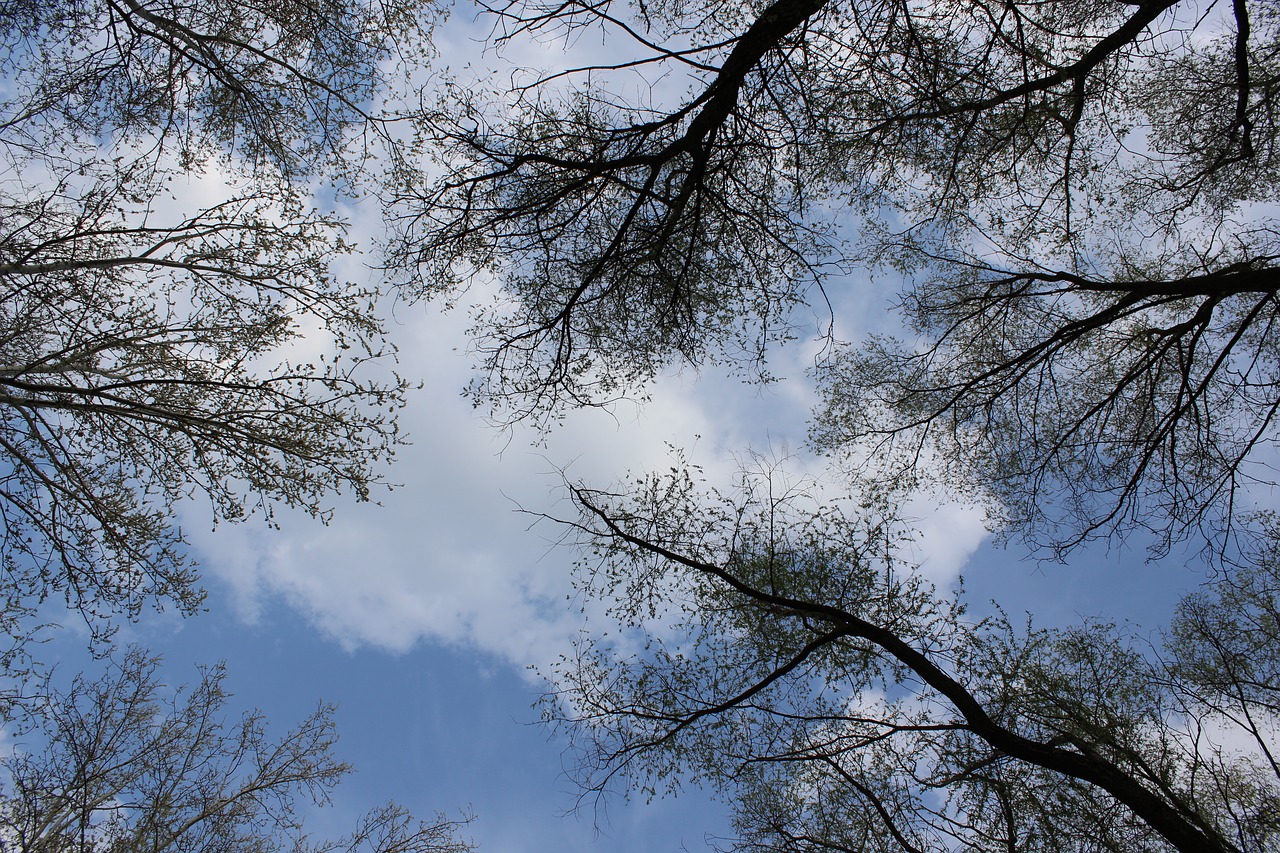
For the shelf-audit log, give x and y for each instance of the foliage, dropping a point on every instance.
(172, 328)
(1079, 196)
(122, 764)
(783, 653)
(160, 266)
(285, 86)
(1079, 199)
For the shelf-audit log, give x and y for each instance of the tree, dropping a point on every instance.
(170, 326)
(122, 764)
(781, 652)
(1079, 198)
(1078, 194)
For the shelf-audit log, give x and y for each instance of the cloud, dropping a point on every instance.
(948, 534)
(449, 557)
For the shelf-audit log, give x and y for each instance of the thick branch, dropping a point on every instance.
(1183, 833)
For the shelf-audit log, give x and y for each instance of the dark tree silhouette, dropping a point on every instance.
(1078, 196)
(161, 261)
(781, 652)
(123, 764)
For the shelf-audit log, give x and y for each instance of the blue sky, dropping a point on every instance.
(435, 728)
(420, 618)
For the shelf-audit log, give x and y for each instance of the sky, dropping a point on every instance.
(421, 618)
(424, 618)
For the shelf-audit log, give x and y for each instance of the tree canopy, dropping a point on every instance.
(1078, 198)
(784, 653)
(172, 328)
(1079, 202)
(170, 322)
(1077, 195)
(122, 763)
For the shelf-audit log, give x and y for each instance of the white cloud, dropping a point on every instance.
(949, 533)
(449, 558)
